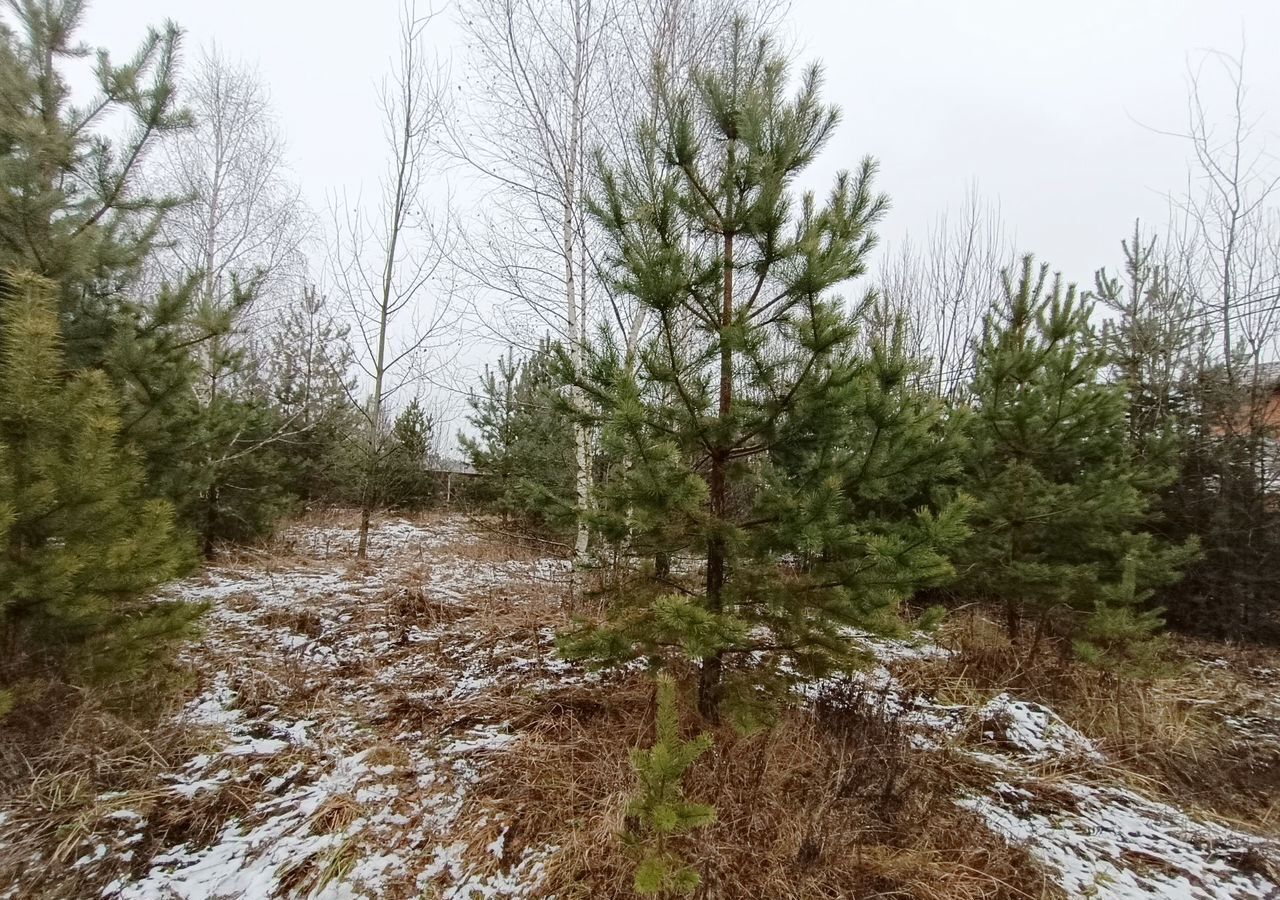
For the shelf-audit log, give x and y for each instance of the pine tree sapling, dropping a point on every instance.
(759, 438)
(409, 482)
(523, 443)
(1061, 490)
(80, 546)
(658, 807)
(73, 210)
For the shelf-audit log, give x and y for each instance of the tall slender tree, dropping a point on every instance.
(384, 260)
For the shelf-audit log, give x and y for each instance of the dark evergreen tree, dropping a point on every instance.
(1225, 494)
(754, 435)
(409, 480)
(522, 445)
(80, 546)
(1061, 489)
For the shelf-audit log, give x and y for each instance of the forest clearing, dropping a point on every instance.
(582, 449)
(404, 728)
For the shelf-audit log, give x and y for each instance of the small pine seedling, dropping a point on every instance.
(658, 806)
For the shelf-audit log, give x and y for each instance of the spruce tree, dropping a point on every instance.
(1061, 489)
(756, 435)
(80, 546)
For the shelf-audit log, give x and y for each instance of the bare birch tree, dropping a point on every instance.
(385, 257)
(530, 130)
(244, 220)
(239, 237)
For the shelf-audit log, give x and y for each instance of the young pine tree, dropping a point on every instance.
(1061, 489)
(80, 547)
(409, 483)
(523, 443)
(755, 436)
(75, 210)
(658, 806)
(306, 371)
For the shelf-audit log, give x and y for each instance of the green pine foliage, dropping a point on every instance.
(1061, 490)
(522, 442)
(755, 433)
(73, 209)
(80, 545)
(410, 484)
(306, 372)
(658, 808)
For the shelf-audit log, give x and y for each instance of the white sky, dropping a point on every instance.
(1042, 104)
(1038, 102)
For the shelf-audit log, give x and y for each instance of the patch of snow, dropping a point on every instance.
(1112, 844)
(1032, 730)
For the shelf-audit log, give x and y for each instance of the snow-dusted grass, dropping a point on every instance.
(350, 713)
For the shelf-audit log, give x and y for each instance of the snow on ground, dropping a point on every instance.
(1099, 840)
(347, 711)
(340, 694)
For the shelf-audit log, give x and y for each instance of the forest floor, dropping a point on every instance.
(404, 728)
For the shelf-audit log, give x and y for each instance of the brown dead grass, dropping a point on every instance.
(827, 804)
(1163, 735)
(68, 762)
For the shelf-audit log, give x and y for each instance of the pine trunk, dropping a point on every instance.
(713, 665)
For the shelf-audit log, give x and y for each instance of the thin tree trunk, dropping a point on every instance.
(575, 323)
(369, 495)
(712, 666)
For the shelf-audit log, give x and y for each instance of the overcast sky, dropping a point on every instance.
(1048, 107)
(1042, 104)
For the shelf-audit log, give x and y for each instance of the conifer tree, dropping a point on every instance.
(658, 806)
(1061, 490)
(80, 546)
(523, 442)
(306, 368)
(756, 435)
(409, 483)
(73, 209)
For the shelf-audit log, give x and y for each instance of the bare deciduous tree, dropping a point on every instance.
(244, 220)
(530, 130)
(944, 288)
(385, 257)
(239, 236)
(1229, 237)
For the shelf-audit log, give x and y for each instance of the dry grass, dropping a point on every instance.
(66, 764)
(1164, 735)
(828, 804)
